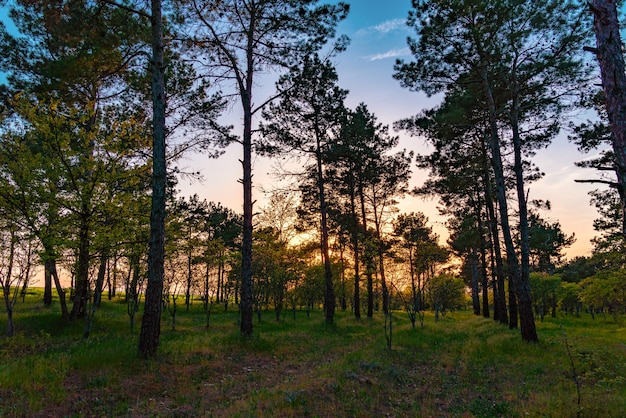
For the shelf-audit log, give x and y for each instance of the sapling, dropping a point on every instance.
(574, 372)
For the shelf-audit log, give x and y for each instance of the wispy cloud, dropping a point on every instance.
(385, 27)
(392, 53)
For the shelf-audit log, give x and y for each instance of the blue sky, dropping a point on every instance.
(378, 37)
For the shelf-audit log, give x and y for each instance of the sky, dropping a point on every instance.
(378, 37)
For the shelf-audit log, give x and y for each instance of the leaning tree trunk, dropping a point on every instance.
(611, 60)
(151, 321)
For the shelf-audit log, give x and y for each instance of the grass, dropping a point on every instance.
(461, 366)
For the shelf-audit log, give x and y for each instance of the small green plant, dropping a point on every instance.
(575, 376)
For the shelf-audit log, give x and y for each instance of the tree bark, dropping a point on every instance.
(525, 306)
(151, 321)
(355, 249)
(367, 254)
(496, 162)
(47, 292)
(246, 303)
(499, 294)
(474, 273)
(329, 290)
(611, 61)
(483, 272)
(79, 309)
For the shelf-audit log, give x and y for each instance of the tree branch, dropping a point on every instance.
(127, 8)
(610, 183)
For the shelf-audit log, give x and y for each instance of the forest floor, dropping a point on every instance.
(459, 366)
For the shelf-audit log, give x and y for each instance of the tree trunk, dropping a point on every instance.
(79, 309)
(151, 321)
(246, 303)
(51, 266)
(496, 162)
(499, 292)
(474, 271)
(512, 302)
(415, 305)
(367, 255)
(355, 249)
(381, 259)
(611, 60)
(525, 306)
(47, 288)
(132, 290)
(329, 290)
(97, 296)
(483, 272)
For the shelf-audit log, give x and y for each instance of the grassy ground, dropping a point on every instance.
(461, 366)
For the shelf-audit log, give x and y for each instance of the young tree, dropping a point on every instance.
(423, 254)
(446, 293)
(306, 121)
(547, 241)
(368, 179)
(244, 38)
(17, 251)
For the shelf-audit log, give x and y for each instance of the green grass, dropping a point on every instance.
(461, 366)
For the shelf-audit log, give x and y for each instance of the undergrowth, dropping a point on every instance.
(460, 366)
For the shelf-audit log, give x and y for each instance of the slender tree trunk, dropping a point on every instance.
(496, 161)
(483, 272)
(189, 278)
(245, 89)
(329, 290)
(611, 59)
(132, 290)
(47, 289)
(219, 291)
(475, 293)
(99, 287)
(79, 309)
(6, 285)
(367, 255)
(355, 249)
(380, 249)
(110, 284)
(151, 321)
(246, 301)
(499, 292)
(513, 311)
(415, 302)
(525, 306)
(51, 266)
